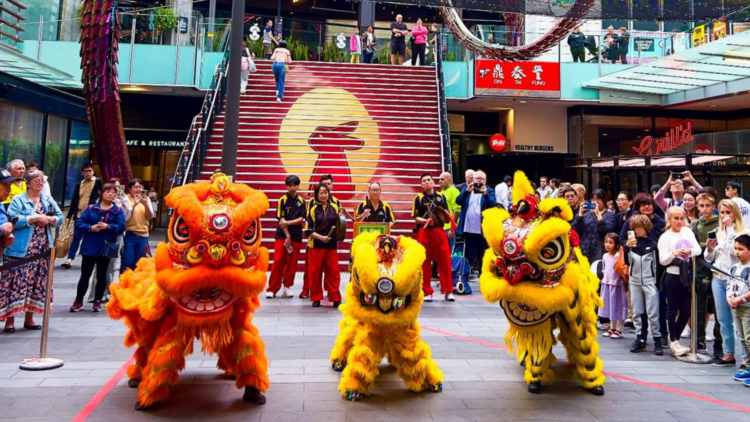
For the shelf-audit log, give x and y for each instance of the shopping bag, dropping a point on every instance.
(64, 239)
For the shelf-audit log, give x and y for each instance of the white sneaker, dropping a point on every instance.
(286, 292)
(685, 332)
(450, 298)
(270, 295)
(428, 298)
(278, 100)
(678, 349)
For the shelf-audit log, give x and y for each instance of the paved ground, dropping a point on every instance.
(481, 381)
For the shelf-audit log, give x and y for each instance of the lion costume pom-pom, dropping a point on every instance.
(203, 284)
(535, 270)
(380, 318)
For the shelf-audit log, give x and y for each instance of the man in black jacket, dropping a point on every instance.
(623, 44)
(85, 193)
(576, 43)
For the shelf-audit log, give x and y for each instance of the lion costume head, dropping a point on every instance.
(536, 271)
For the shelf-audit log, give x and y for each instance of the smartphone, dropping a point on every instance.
(712, 234)
(631, 235)
(676, 175)
(590, 205)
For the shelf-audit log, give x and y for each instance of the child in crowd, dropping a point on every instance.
(641, 256)
(355, 46)
(738, 297)
(291, 212)
(613, 288)
(676, 247)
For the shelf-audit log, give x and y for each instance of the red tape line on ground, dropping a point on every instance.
(102, 393)
(607, 373)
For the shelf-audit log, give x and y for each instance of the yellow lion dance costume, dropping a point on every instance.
(203, 284)
(537, 273)
(380, 318)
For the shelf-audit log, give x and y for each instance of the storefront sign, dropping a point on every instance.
(517, 79)
(672, 139)
(498, 142)
(534, 148)
(183, 25)
(156, 144)
(644, 44)
(719, 30)
(699, 36)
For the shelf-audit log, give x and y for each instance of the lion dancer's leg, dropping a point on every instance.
(165, 360)
(246, 358)
(361, 365)
(535, 351)
(348, 328)
(578, 335)
(412, 358)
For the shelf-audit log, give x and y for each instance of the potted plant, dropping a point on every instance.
(165, 19)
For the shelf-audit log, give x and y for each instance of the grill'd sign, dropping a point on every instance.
(498, 142)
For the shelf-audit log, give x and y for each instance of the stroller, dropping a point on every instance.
(460, 269)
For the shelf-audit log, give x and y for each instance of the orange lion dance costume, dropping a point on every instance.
(203, 284)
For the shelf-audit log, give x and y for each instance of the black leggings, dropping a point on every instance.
(87, 268)
(678, 301)
(417, 50)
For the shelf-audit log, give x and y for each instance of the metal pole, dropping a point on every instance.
(132, 47)
(43, 363)
(232, 116)
(694, 356)
(177, 59)
(39, 39)
(195, 59)
(599, 60)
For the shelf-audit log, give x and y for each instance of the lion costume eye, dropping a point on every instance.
(553, 252)
(180, 231)
(251, 234)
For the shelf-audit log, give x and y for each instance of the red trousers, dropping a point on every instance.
(306, 274)
(324, 260)
(436, 246)
(284, 266)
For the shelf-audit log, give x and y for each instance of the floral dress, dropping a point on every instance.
(23, 288)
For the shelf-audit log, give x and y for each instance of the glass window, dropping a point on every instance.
(54, 154)
(574, 134)
(78, 154)
(645, 26)
(609, 136)
(676, 26)
(20, 133)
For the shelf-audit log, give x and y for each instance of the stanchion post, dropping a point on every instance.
(694, 356)
(43, 363)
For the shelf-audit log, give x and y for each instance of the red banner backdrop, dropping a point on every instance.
(518, 79)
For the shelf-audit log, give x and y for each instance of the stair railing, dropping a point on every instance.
(445, 136)
(193, 153)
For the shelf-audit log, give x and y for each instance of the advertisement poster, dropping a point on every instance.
(699, 36)
(679, 42)
(719, 31)
(644, 44)
(517, 79)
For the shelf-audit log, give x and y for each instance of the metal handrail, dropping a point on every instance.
(445, 147)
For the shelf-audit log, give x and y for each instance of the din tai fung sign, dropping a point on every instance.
(517, 79)
(673, 139)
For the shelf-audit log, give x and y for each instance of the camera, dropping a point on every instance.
(712, 234)
(478, 187)
(590, 205)
(676, 175)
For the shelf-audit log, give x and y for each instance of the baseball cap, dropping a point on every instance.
(5, 177)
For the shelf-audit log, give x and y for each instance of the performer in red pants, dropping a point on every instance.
(322, 249)
(429, 211)
(327, 180)
(291, 215)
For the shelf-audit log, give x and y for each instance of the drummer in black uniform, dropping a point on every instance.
(322, 248)
(374, 210)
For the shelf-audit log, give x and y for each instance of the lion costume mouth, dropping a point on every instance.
(206, 301)
(523, 315)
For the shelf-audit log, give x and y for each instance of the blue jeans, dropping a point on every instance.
(724, 315)
(279, 73)
(135, 248)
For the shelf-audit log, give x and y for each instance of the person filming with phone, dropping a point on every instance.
(676, 186)
(593, 223)
(138, 215)
(474, 198)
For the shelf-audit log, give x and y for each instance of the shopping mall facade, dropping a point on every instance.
(681, 102)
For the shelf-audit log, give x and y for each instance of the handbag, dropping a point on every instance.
(64, 240)
(620, 267)
(111, 250)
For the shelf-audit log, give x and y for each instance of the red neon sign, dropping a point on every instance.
(498, 142)
(674, 138)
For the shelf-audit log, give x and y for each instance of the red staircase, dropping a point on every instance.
(359, 122)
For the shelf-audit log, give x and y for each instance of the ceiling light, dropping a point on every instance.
(712, 106)
(522, 101)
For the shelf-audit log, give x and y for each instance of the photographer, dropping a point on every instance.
(593, 223)
(676, 186)
(138, 214)
(474, 198)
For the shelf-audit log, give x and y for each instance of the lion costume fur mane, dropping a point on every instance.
(203, 284)
(379, 319)
(536, 271)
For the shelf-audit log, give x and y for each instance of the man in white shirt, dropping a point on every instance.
(502, 192)
(554, 184)
(733, 192)
(544, 190)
